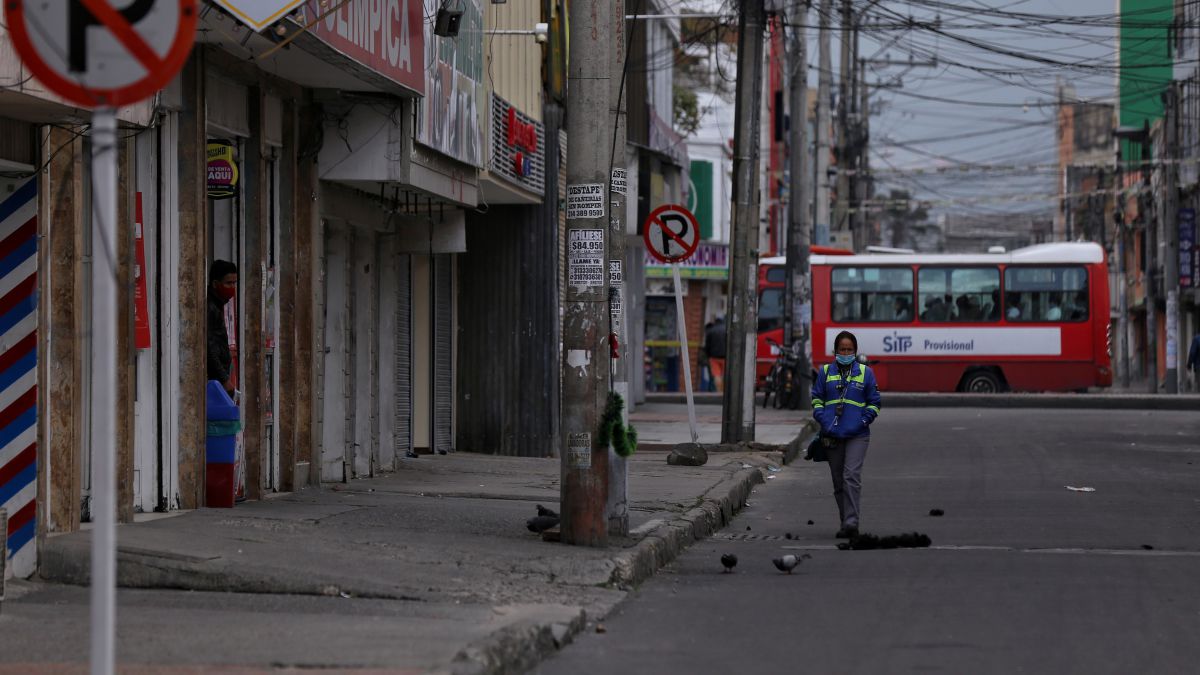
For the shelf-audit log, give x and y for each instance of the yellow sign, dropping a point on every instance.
(222, 170)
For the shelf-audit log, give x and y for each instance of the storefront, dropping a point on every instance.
(704, 277)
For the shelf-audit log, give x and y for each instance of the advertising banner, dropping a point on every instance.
(448, 117)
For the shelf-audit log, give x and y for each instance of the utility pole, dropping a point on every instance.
(737, 422)
(1150, 220)
(841, 221)
(1171, 236)
(824, 77)
(618, 476)
(586, 362)
(862, 185)
(798, 289)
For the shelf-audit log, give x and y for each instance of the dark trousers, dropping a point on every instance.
(846, 457)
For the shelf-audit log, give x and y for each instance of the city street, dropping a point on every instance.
(1025, 575)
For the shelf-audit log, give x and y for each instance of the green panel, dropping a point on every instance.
(1146, 63)
(702, 196)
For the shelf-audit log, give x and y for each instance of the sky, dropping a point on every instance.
(990, 99)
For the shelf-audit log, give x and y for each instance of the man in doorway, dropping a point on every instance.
(222, 287)
(714, 349)
(1193, 361)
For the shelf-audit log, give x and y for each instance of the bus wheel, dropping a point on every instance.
(981, 382)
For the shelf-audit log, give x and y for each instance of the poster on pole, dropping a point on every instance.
(585, 258)
(1187, 246)
(585, 201)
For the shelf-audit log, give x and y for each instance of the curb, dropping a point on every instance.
(517, 648)
(666, 541)
(796, 448)
(895, 399)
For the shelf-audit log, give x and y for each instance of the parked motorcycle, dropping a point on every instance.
(783, 381)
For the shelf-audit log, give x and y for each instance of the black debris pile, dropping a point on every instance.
(870, 542)
(937, 513)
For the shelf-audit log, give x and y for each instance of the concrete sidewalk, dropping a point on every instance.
(1107, 400)
(444, 532)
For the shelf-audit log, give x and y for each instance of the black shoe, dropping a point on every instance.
(847, 533)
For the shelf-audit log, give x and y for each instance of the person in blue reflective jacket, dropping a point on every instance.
(845, 402)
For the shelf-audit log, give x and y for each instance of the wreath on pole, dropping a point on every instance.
(614, 431)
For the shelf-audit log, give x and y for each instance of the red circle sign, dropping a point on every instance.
(671, 233)
(93, 54)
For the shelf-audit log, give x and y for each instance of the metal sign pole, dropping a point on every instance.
(104, 390)
(687, 360)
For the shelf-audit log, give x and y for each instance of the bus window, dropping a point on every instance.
(958, 293)
(776, 275)
(1046, 293)
(770, 309)
(871, 294)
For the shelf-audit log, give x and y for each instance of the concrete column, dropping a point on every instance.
(307, 228)
(60, 314)
(126, 351)
(192, 284)
(255, 233)
(285, 276)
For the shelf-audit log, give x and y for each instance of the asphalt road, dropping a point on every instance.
(1024, 574)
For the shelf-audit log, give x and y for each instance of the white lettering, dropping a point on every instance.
(405, 61)
(391, 42)
(343, 28)
(376, 22)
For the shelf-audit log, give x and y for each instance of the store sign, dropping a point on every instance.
(222, 170)
(710, 261)
(518, 146)
(386, 36)
(448, 115)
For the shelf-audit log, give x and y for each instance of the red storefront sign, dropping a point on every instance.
(386, 36)
(141, 304)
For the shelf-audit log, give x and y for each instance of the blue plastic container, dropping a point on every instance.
(220, 449)
(220, 406)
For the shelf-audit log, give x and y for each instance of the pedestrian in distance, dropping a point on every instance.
(845, 402)
(714, 349)
(1193, 362)
(222, 287)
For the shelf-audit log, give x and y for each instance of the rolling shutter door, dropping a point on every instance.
(404, 404)
(443, 348)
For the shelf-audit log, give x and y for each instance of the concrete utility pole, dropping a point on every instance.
(797, 320)
(862, 184)
(1171, 237)
(618, 476)
(1150, 220)
(841, 220)
(586, 361)
(824, 77)
(737, 422)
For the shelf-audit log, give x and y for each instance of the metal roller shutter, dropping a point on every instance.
(443, 348)
(404, 404)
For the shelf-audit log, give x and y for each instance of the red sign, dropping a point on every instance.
(521, 134)
(671, 233)
(93, 54)
(386, 36)
(141, 304)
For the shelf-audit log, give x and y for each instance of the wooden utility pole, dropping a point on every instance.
(737, 422)
(585, 351)
(798, 288)
(1171, 237)
(841, 216)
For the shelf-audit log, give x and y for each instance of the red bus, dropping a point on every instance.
(1032, 319)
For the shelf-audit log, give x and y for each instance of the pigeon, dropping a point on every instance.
(543, 511)
(788, 562)
(541, 523)
(729, 560)
(936, 512)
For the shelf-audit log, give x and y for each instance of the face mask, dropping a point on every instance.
(226, 292)
(845, 359)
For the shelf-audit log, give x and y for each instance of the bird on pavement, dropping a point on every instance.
(540, 524)
(543, 511)
(729, 560)
(788, 562)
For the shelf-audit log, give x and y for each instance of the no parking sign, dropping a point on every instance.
(671, 233)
